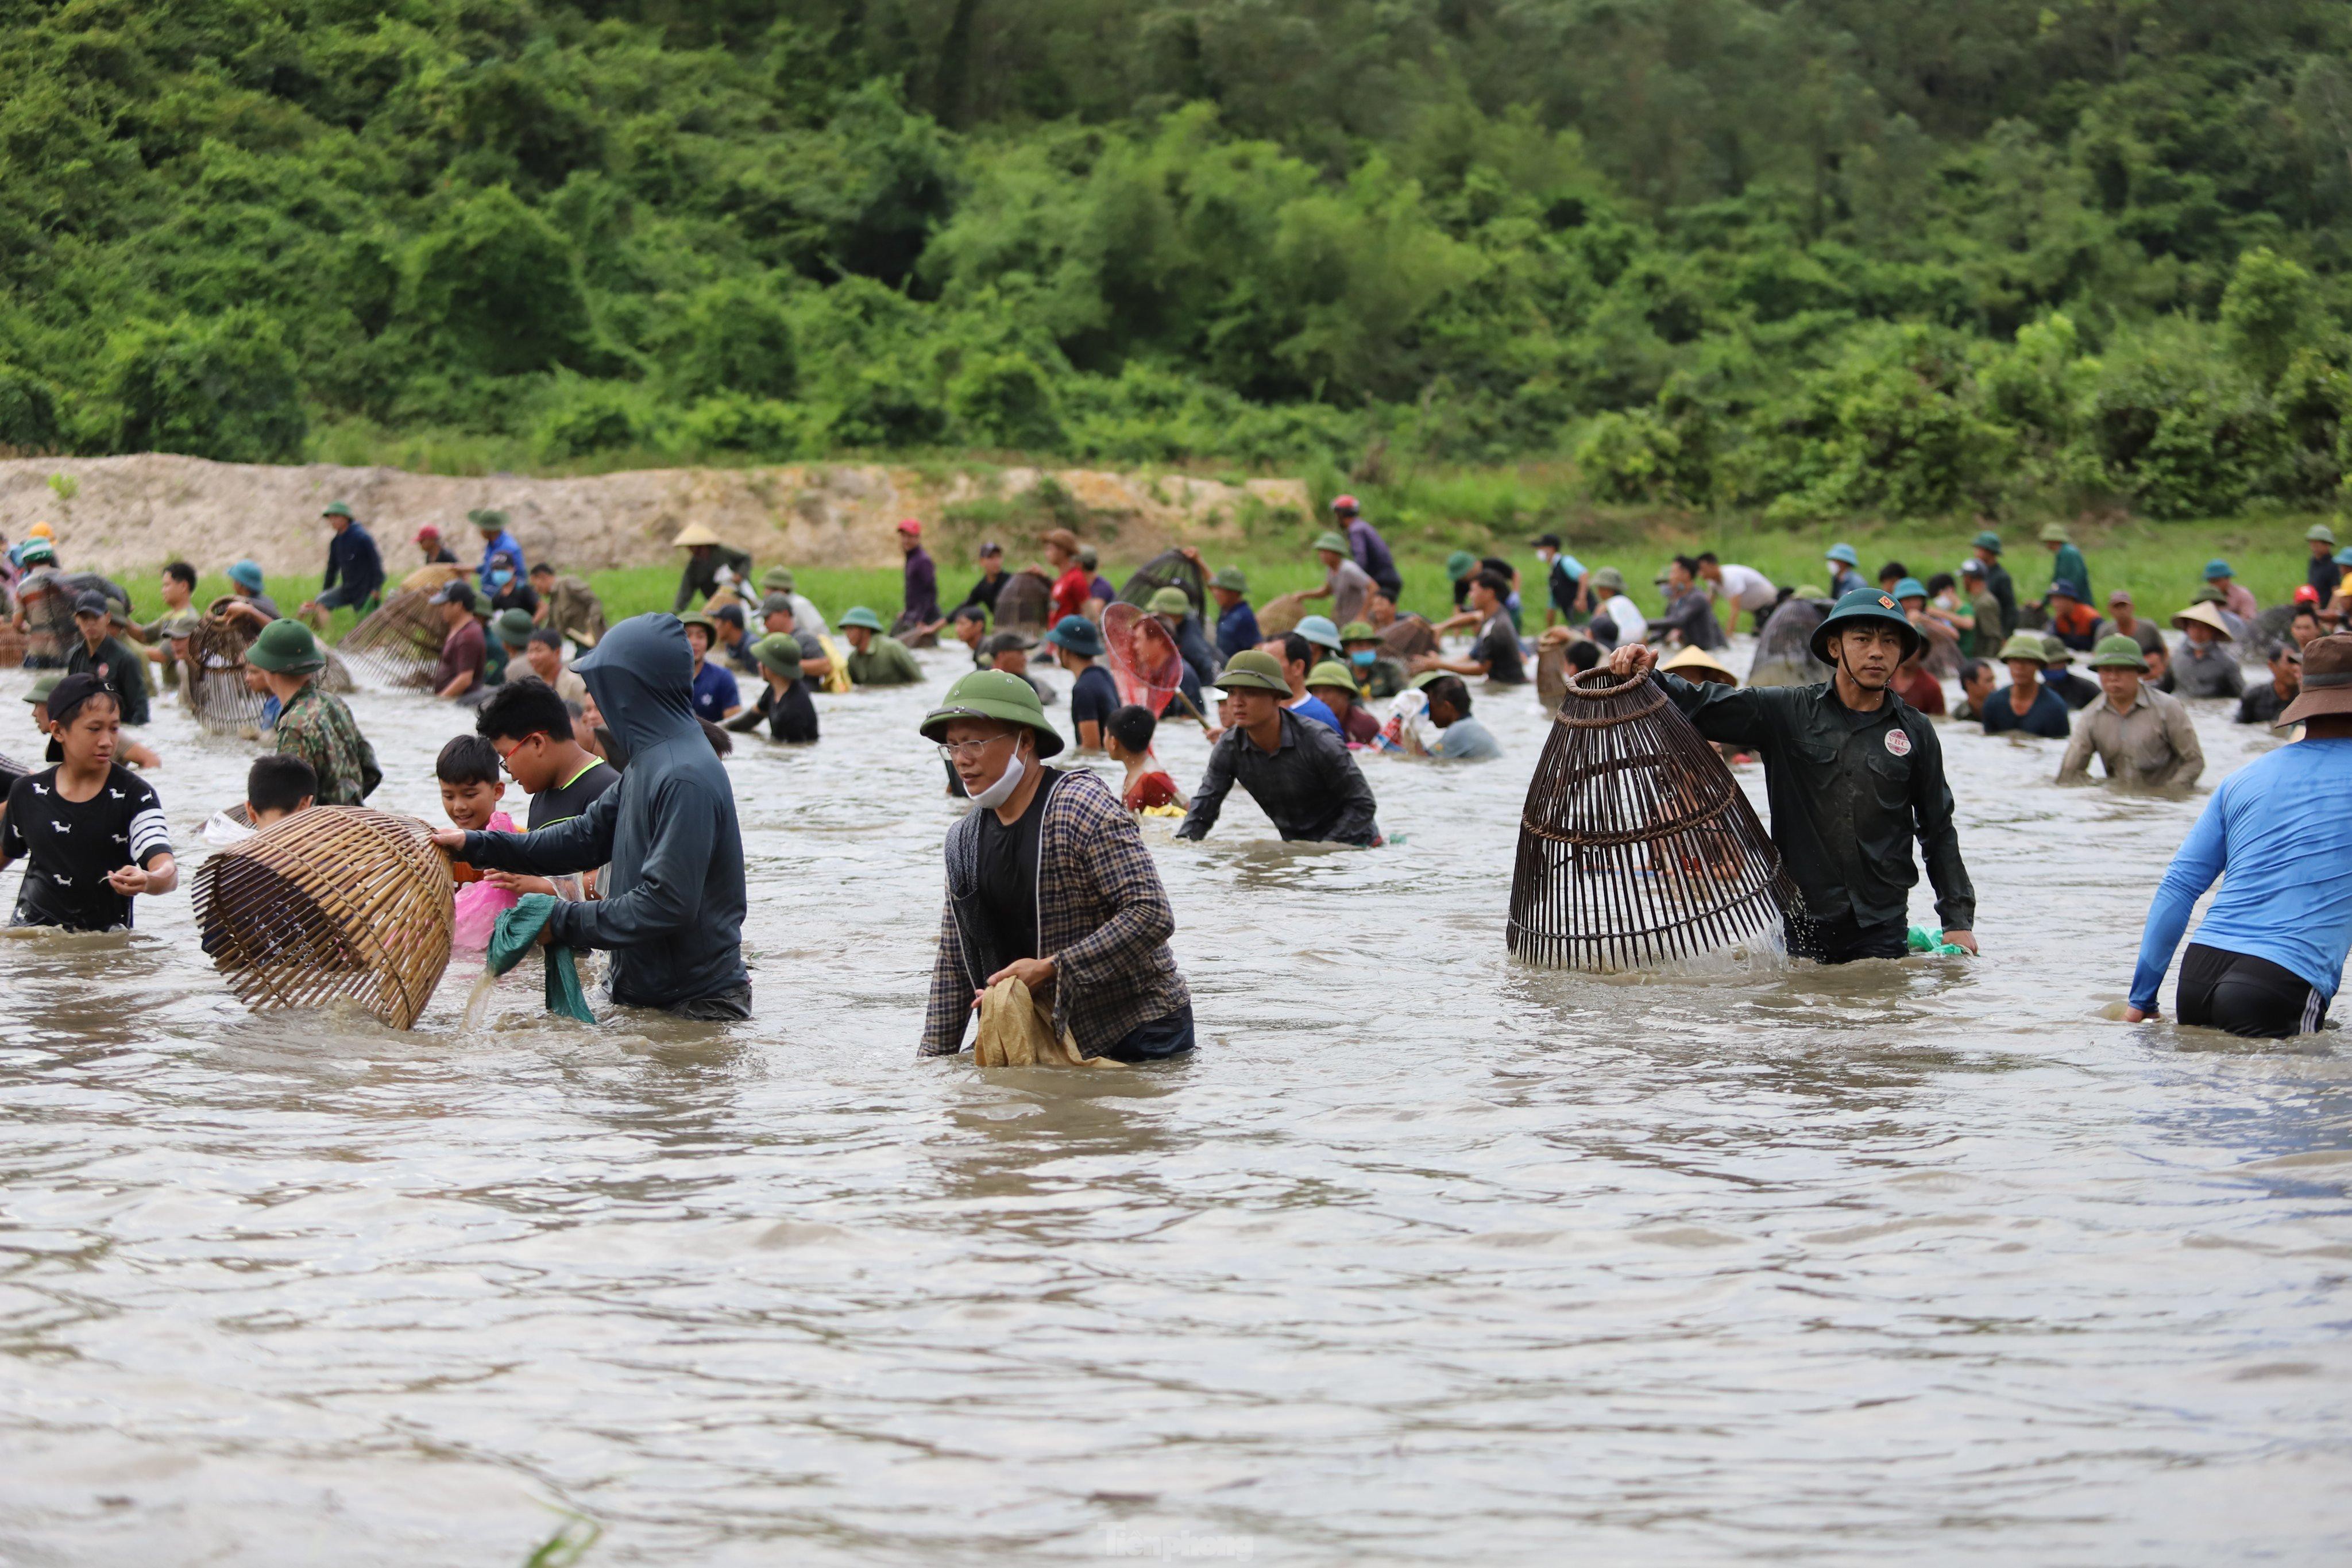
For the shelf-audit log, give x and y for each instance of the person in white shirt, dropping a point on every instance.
(1737, 588)
(1608, 600)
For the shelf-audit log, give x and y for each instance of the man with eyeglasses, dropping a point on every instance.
(531, 729)
(1049, 888)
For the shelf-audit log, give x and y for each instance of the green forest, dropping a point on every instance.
(1833, 258)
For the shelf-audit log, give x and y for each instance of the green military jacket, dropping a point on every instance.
(1849, 792)
(701, 578)
(885, 662)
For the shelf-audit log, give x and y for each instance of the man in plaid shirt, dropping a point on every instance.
(1049, 884)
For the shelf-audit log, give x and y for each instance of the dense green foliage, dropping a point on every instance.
(1849, 256)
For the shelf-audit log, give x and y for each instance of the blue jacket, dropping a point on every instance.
(353, 562)
(504, 544)
(1237, 630)
(672, 912)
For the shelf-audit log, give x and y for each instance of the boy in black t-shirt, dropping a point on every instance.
(531, 729)
(91, 833)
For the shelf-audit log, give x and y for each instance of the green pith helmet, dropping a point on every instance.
(487, 519)
(1330, 672)
(1609, 580)
(2209, 594)
(1910, 588)
(286, 647)
(859, 615)
(43, 686)
(1809, 591)
(1359, 631)
(514, 627)
(1250, 671)
(993, 694)
(2025, 644)
(1231, 579)
(2320, 533)
(1460, 564)
(1170, 601)
(1327, 539)
(1988, 540)
(1860, 606)
(2054, 533)
(2054, 650)
(781, 653)
(777, 580)
(1426, 678)
(2118, 652)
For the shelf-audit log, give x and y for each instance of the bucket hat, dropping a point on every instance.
(513, 626)
(2055, 651)
(2204, 616)
(246, 574)
(1460, 564)
(1910, 588)
(1609, 580)
(2067, 587)
(1860, 606)
(1318, 630)
(1844, 554)
(287, 648)
(1231, 579)
(2217, 567)
(1359, 631)
(781, 653)
(2053, 533)
(1988, 540)
(697, 618)
(1253, 671)
(2320, 533)
(1327, 539)
(859, 615)
(1061, 536)
(695, 533)
(2326, 681)
(1330, 672)
(2025, 644)
(2117, 652)
(1170, 601)
(1698, 664)
(1078, 634)
(993, 694)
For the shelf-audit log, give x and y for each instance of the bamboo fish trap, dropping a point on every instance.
(1636, 845)
(336, 902)
(217, 693)
(1168, 569)
(400, 641)
(1023, 603)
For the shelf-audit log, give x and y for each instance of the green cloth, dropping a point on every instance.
(885, 662)
(1919, 939)
(2068, 566)
(517, 932)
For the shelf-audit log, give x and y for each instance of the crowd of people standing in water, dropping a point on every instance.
(1055, 930)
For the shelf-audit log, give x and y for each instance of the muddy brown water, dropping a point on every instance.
(1425, 1257)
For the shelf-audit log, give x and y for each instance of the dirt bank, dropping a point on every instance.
(134, 513)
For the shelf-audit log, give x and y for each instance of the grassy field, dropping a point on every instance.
(2161, 563)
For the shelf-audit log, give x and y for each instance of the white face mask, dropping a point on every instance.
(1000, 791)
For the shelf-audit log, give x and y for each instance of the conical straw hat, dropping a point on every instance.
(696, 533)
(2205, 614)
(1705, 664)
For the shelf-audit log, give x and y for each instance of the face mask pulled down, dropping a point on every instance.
(1000, 791)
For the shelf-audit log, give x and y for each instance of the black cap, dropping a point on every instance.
(1551, 540)
(90, 602)
(456, 591)
(1006, 642)
(73, 692)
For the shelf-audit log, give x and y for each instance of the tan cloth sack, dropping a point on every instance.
(1016, 1032)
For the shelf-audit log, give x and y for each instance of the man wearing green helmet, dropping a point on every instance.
(1296, 769)
(314, 725)
(1345, 584)
(1049, 886)
(2140, 735)
(1853, 775)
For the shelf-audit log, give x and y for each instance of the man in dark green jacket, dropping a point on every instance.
(1854, 774)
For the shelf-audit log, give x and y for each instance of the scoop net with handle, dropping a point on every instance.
(1144, 663)
(334, 903)
(1636, 845)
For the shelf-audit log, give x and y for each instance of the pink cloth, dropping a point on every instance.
(479, 904)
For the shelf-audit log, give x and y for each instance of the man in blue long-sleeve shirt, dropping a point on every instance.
(354, 568)
(496, 541)
(2270, 953)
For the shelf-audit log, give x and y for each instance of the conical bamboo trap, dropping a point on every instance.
(400, 642)
(1023, 603)
(1168, 569)
(338, 902)
(217, 690)
(1636, 845)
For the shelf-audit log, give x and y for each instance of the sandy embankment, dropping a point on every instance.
(133, 513)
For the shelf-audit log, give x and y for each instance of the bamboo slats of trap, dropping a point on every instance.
(1168, 569)
(216, 691)
(1636, 845)
(335, 903)
(1281, 615)
(1025, 603)
(1407, 637)
(400, 642)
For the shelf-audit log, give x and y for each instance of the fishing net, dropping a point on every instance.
(1144, 663)
(1784, 655)
(12, 644)
(334, 903)
(1636, 845)
(2267, 632)
(217, 692)
(1168, 569)
(431, 575)
(1023, 603)
(400, 642)
(11, 770)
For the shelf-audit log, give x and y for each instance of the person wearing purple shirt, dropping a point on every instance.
(1370, 551)
(921, 611)
(496, 541)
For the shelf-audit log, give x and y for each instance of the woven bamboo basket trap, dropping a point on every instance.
(335, 903)
(1636, 845)
(216, 691)
(400, 641)
(1024, 603)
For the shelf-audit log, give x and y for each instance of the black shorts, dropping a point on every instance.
(2245, 995)
(1158, 1041)
(1843, 941)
